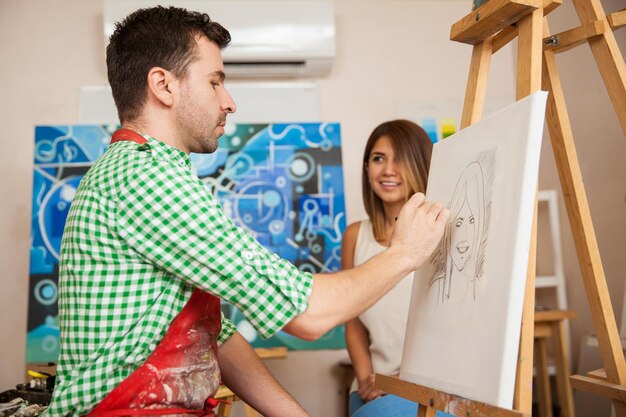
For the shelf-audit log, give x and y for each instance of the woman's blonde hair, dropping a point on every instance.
(412, 148)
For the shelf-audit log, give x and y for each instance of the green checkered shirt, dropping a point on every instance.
(141, 234)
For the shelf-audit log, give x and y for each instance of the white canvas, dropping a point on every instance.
(464, 322)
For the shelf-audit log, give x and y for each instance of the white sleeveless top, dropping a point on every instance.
(386, 320)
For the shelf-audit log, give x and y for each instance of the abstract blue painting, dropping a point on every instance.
(283, 183)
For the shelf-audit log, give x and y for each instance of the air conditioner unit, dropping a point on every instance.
(269, 38)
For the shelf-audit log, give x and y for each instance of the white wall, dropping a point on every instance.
(48, 49)
(389, 53)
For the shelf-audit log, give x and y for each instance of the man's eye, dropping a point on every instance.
(214, 84)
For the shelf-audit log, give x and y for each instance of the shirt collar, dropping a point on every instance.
(162, 150)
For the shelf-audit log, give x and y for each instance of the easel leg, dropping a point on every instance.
(544, 397)
(529, 56)
(477, 83)
(530, 35)
(523, 400)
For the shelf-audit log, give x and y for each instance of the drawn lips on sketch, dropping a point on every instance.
(462, 254)
(463, 246)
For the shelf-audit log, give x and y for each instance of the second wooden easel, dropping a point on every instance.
(489, 28)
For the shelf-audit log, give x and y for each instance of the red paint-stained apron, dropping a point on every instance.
(182, 374)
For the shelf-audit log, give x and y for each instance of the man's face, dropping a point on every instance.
(204, 102)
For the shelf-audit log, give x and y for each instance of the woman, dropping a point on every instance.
(395, 166)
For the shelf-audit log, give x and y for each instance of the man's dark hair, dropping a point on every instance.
(154, 37)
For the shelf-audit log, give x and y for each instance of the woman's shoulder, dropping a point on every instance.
(352, 231)
(348, 244)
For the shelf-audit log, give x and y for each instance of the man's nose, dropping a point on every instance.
(228, 104)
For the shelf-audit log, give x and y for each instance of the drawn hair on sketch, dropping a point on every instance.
(459, 260)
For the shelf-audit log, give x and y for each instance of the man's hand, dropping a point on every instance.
(419, 228)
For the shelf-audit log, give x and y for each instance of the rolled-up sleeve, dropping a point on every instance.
(228, 329)
(169, 218)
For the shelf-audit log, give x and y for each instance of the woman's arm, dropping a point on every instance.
(357, 342)
(357, 336)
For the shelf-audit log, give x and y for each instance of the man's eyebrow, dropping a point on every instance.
(219, 74)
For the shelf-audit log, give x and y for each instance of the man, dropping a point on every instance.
(147, 250)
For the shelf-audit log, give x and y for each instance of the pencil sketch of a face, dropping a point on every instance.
(463, 230)
(458, 262)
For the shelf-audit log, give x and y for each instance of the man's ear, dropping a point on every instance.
(162, 85)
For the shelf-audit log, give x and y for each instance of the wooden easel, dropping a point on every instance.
(489, 28)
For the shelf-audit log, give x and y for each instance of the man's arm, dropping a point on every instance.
(245, 374)
(337, 298)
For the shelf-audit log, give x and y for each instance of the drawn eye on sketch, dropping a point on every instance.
(459, 260)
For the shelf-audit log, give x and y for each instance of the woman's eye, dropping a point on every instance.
(471, 220)
(459, 223)
(214, 84)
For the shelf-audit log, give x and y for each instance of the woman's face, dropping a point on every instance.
(462, 229)
(384, 173)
